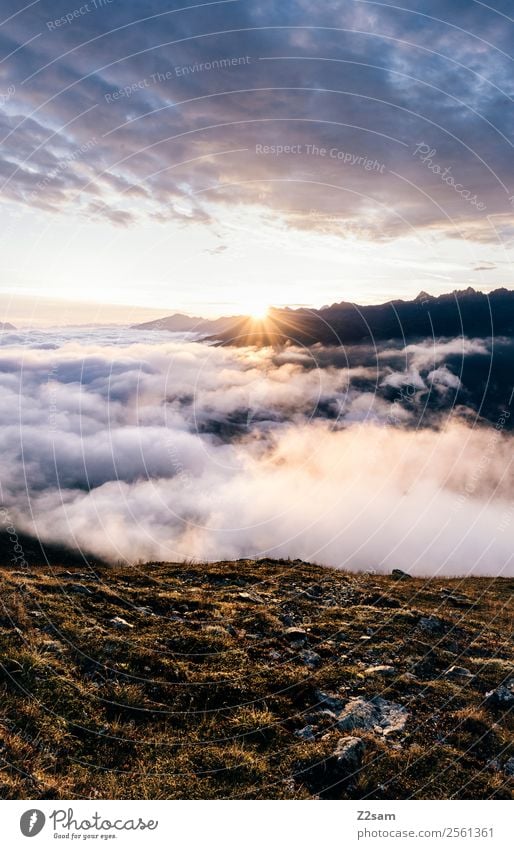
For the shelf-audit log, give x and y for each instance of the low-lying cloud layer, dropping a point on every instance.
(367, 459)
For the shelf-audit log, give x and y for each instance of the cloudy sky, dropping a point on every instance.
(213, 157)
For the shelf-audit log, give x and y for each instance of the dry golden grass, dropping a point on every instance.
(202, 697)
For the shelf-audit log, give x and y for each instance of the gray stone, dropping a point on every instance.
(358, 713)
(329, 701)
(509, 767)
(384, 669)
(393, 716)
(377, 714)
(458, 673)
(306, 733)
(251, 597)
(310, 658)
(431, 624)
(318, 716)
(79, 589)
(457, 600)
(121, 624)
(502, 696)
(400, 575)
(349, 753)
(296, 637)
(146, 610)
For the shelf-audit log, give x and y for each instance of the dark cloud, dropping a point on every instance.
(165, 92)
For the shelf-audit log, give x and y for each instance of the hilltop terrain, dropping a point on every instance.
(253, 679)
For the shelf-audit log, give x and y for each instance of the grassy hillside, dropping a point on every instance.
(269, 679)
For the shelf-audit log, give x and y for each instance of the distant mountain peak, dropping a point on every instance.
(463, 293)
(456, 293)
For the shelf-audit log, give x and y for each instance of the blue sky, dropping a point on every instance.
(216, 157)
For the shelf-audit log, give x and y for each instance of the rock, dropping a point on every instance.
(147, 611)
(251, 597)
(458, 673)
(314, 592)
(322, 716)
(121, 624)
(509, 767)
(348, 754)
(310, 658)
(458, 601)
(328, 701)
(393, 716)
(502, 696)
(400, 575)
(326, 777)
(387, 671)
(286, 619)
(428, 666)
(431, 624)
(80, 589)
(358, 713)
(377, 714)
(306, 733)
(378, 599)
(296, 636)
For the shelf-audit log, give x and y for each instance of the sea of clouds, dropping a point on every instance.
(152, 446)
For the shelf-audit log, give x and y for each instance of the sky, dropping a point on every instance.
(215, 158)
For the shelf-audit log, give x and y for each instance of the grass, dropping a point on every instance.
(204, 696)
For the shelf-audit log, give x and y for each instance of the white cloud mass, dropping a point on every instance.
(155, 447)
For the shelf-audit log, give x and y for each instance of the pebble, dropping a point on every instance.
(120, 623)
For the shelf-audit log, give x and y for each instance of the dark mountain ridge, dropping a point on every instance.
(459, 313)
(465, 312)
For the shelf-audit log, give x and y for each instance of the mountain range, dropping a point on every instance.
(180, 323)
(459, 313)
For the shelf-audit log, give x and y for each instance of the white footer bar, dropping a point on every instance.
(253, 824)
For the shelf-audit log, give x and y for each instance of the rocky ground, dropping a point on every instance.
(268, 679)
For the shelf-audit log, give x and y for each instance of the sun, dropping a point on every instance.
(258, 310)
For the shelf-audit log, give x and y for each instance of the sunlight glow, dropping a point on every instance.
(257, 310)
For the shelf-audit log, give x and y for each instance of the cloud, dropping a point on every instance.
(363, 84)
(174, 449)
